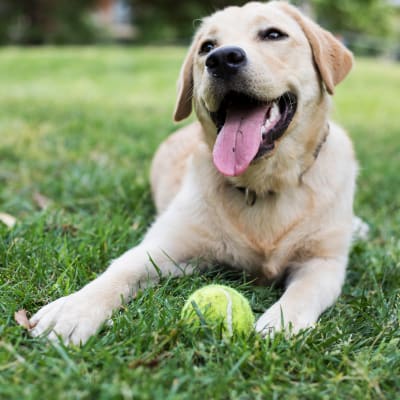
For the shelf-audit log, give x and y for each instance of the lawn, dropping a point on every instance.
(78, 127)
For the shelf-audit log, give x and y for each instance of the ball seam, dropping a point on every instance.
(228, 311)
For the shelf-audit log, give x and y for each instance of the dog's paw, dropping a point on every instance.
(277, 319)
(71, 319)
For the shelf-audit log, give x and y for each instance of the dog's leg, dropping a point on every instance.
(312, 287)
(74, 318)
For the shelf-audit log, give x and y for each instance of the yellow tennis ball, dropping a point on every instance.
(220, 308)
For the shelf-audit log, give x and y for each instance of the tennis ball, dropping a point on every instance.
(220, 308)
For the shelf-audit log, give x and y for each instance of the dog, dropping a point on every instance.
(263, 181)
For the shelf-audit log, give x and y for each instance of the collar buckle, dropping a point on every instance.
(250, 197)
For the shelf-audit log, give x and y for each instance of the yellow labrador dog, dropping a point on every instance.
(263, 182)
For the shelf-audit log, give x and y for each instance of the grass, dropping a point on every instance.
(79, 126)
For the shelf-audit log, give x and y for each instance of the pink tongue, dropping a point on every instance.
(239, 140)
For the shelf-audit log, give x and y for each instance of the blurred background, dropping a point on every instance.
(368, 27)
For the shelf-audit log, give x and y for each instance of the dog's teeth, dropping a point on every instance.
(274, 113)
(274, 116)
(263, 131)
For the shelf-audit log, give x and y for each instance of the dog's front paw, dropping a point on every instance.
(279, 318)
(72, 319)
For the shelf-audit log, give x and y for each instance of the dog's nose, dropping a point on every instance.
(226, 61)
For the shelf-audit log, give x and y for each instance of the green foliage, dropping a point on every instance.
(80, 126)
(46, 21)
(367, 25)
(357, 16)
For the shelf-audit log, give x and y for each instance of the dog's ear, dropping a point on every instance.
(331, 57)
(183, 106)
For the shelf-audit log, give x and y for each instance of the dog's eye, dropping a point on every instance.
(272, 34)
(206, 47)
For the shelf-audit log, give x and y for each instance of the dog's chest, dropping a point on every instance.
(250, 235)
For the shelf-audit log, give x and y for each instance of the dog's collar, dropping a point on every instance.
(250, 195)
(317, 150)
(321, 143)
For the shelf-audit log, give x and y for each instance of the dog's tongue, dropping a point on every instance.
(239, 139)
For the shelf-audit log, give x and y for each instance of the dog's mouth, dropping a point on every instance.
(249, 128)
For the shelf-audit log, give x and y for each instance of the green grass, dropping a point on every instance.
(79, 126)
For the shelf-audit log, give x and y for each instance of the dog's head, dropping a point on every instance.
(258, 75)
